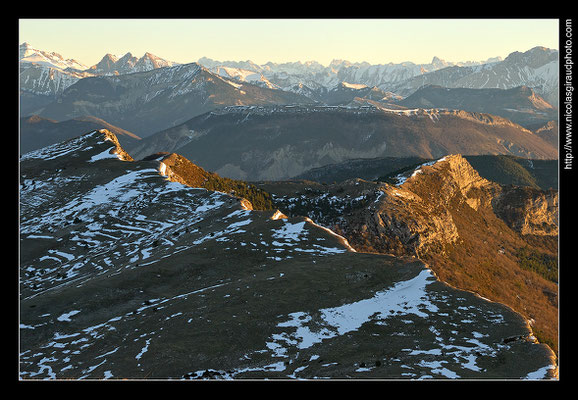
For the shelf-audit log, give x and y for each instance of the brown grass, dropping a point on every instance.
(484, 261)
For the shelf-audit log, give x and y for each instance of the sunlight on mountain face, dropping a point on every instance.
(228, 220)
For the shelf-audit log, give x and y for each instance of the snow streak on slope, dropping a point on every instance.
(299, 337)
(127, 216)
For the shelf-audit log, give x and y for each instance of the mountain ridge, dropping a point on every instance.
(536, 68)
(145, 102)
(119, 262)
(279, 142)
(520, 104)
(443, 212)
(127, 64)
(315, 80)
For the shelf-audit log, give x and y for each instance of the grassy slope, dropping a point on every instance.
(196, 176)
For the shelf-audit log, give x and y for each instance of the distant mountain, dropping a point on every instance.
(37, 132)
(29, 54)
(520, 105)
(314, 78)
(147, 102)
(341, 82)
(41, 85)
(244, 75)
(127, 64)
(536, 68)
(45, 75)
(127, 274)
(345, 93)
(281, 142)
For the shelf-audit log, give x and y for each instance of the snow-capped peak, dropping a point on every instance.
(49, 59)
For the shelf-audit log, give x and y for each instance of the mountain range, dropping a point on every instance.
(128, 64)
(127, 272)
(229, 220)
(280, 142)
(147, 102)
(28, 54)
(313, 76)
(536, 68)
(44, 77)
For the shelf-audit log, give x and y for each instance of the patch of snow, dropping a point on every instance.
(408, 297)
(356, 86)
(540, 373)
(66, 316)
(106, 154)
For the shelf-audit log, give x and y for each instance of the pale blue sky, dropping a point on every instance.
(377, 41)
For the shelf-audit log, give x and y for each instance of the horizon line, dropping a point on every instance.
(334, 60)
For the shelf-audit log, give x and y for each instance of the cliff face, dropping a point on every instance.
(449, 177)
(400, 221)
(118, 150)
(528, 211)
(444, 186)
(417, 216)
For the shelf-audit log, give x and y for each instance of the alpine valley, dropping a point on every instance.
(224, 220)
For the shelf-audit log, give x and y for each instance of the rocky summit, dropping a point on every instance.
(127, 274)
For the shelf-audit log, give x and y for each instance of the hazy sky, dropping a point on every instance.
(377, 41)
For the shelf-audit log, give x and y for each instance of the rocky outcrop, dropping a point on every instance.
(417, 215)
(118, 150)
(448, 177)
(524, 209)
(527, 210)
(399, 221)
